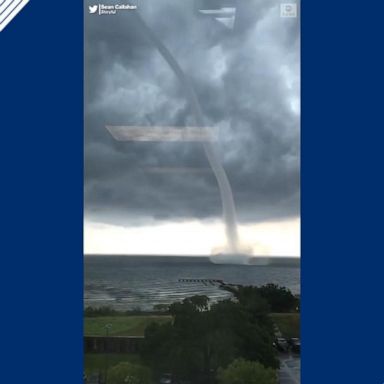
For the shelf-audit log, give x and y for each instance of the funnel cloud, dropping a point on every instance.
(229, 210)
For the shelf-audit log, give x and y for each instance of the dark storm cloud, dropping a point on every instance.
(247, 83)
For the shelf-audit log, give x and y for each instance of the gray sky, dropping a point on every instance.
(247, 82)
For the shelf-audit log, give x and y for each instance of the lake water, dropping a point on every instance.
(133, 282)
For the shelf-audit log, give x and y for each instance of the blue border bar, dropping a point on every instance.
(41, 193)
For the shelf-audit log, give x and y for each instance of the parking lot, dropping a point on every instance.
(289, 372)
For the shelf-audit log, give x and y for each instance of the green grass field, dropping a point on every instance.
(288, 323)
(121, 325)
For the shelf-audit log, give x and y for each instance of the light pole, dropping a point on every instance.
(107, 327)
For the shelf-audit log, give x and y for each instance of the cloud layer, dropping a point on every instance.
(247, 81)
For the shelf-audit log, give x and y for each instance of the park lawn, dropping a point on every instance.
(121, 325)
(288, 323)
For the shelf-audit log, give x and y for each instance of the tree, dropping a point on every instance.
(279, 298)
(100, 311)
(157, 346)
(203, 338)
(193, 346)
(129, 373)
(246, 372)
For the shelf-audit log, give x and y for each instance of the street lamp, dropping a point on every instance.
(107, 327)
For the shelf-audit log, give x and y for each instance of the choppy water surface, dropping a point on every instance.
(124, 282)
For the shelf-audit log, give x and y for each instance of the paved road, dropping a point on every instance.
(289, 369)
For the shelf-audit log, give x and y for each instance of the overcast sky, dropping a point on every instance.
(138, 195)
